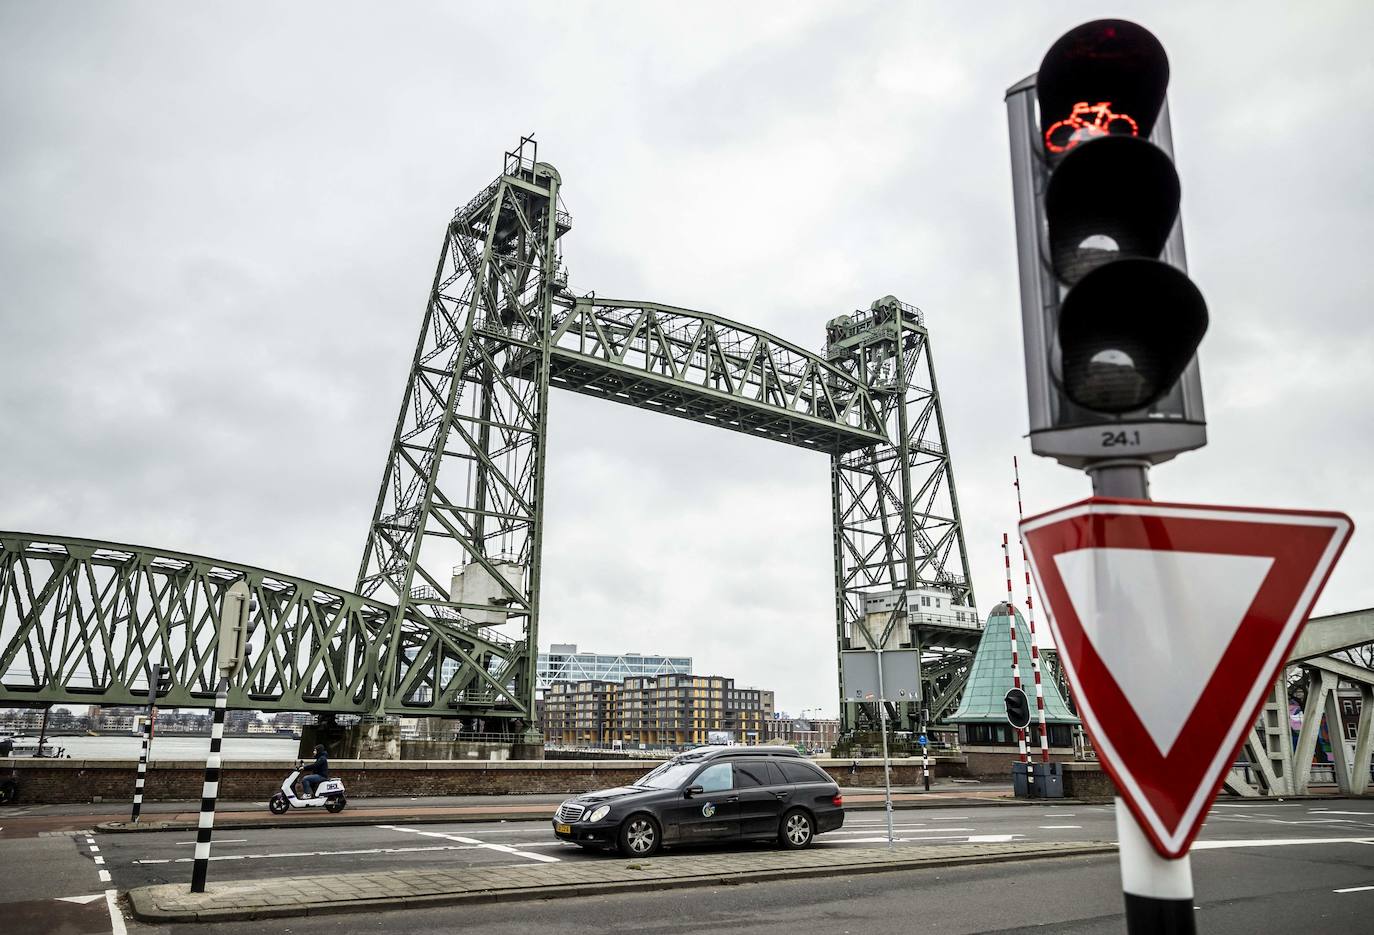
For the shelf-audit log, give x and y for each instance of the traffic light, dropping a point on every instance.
(1111, 319)
(1018, 709)
(164, 680)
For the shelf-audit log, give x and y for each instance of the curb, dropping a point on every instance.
(145, 912)
(256, 824)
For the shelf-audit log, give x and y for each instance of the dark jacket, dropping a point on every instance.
(321, 766)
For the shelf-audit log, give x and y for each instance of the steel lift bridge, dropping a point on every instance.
(443, 619)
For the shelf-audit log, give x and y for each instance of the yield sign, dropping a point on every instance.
(1172, 621)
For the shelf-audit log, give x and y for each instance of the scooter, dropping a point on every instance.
(329, 793)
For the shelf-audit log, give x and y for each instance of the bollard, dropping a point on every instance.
(210, 791)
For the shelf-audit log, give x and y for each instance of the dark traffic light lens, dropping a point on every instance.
(1126, 333)
(1110, 198)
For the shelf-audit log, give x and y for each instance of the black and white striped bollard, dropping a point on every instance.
(142, 768)
(210, 792)
(155, 677)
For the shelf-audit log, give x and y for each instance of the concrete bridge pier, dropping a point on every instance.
(367, 740)
(378, 740)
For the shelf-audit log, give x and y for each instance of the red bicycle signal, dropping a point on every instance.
(1077, 128)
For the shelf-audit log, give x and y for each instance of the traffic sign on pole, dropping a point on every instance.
(1172, 621)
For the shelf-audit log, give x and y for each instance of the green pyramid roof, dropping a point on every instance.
(988, 683)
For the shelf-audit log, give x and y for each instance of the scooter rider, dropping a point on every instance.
(319, 771)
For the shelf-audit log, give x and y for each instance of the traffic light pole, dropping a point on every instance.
(1158, 891)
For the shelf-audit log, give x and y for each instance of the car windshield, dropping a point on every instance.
(667, 776)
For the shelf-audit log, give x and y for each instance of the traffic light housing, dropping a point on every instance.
(1018, 709)
(1111, 320)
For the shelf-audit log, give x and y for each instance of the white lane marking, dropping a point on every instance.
(1276, 842)
(492, 831)
(94, 849)
(971, 839)
(1332, 811)
(954, 818)
(99, 860)
(80, 900)
(1059, 827)
(906, 830)
(1061, 815)
(104, 876)
(1354, 889)
(1256, 805)
(543, 858)
(218, 842)
(116, 917)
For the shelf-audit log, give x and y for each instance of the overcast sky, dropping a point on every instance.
(218, 225)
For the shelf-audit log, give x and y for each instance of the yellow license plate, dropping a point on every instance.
(563, 829)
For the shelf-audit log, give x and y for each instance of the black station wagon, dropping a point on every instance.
(708, 794)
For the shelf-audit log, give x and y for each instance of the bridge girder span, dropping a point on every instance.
(85, 622)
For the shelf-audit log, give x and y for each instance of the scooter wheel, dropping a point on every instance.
(278, 805)
(335, 804)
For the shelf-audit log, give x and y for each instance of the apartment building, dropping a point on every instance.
(659, 712)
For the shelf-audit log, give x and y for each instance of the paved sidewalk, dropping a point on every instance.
(396, 889)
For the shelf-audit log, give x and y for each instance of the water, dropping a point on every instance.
(281, 749)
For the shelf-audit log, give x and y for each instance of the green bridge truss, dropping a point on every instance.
(444, 616)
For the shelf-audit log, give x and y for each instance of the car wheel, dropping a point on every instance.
(796, 829)
(278, 805)
(640, 836)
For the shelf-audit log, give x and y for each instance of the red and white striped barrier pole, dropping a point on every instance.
(1015, 656)
(1030, 621)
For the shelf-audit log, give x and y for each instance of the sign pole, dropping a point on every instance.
(1158, 891)
(887, 775)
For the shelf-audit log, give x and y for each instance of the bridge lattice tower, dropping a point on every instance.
(899, 538)
(458, 522)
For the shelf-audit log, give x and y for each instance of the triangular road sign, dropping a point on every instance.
(1172, 621)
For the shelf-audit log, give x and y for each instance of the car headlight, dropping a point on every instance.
(599, 813)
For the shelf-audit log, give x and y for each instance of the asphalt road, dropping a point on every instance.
(1251, 876)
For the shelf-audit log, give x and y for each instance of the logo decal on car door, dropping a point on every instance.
(708, 809)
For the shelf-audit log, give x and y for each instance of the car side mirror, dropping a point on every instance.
(694, 790)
